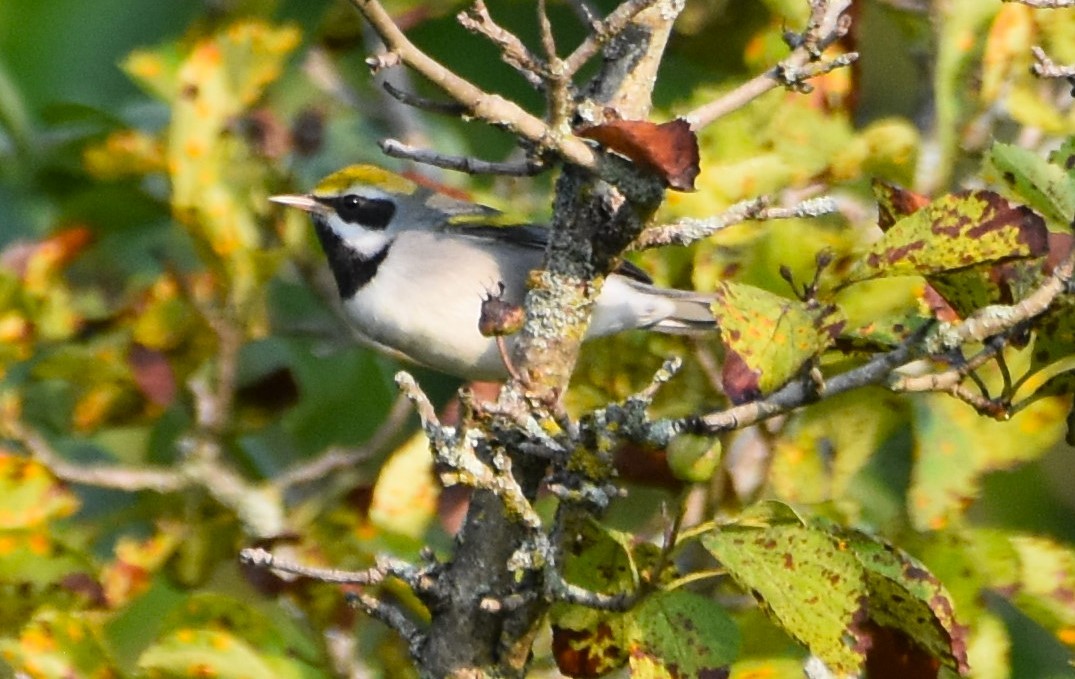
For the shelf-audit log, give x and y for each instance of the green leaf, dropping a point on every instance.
(228, 637)
(589, 642)
(955, 446)
(1047, 584)
(57, 645)
(822, 448)
(1029, 178)
(405, 496)
(903, 595)
(952, 233)
(768, 338)
(202, 652)
(30, 496)
(687, 634)
(810, 584)
(1054, 337)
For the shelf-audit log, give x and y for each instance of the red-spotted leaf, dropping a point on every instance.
(904, 596)
(952, 233)
(668, 149)
(895, 202)
(587, 642)
(953, 295)
(768, 338)
(684, 634)
(809, 583)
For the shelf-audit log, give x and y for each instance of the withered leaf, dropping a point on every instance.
(668, 149)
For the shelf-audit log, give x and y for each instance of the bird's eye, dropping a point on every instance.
(373, 213)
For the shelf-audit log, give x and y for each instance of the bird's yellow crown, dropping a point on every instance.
(370, 175)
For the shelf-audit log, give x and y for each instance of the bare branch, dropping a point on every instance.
(1045, 67)
(488, 107)
(586, 13)
(686, 231)
(785, 74)
(397, 149)
(392, 617)
(993, 320)
(261, 558)
(345, 458)
(449, 108)
(477, 19)
(422, 405)
(603, 32)
(826, 25)
(932, 340)
(548, 41)
(803, 391)
(1045, 4)
(99, 476)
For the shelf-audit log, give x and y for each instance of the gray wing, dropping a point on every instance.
(536, 237)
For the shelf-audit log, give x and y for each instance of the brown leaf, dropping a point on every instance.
(892, 654)
(153, 375)
(500, 317)
(741, 382)
(894, 203)
(668, 149)
(586, 653)
(53, 253)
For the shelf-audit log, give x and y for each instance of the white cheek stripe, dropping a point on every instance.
(366, 243)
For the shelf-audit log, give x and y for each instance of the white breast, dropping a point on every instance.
(437, 324)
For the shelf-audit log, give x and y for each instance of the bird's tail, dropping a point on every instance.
(692, 315)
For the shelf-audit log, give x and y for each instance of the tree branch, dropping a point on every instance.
(827, 24)
(477, 19)
(686, 231)
(1045, 4)
(398, 149)
(488, 107)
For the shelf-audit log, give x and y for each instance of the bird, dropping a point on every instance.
(414, 265)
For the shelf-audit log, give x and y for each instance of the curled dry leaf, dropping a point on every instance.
(668, 149)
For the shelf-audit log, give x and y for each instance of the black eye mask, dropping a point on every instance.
(372, 213)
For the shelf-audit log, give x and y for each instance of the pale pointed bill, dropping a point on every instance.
(302, 202)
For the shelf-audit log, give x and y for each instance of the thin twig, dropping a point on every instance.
(449, 108)
(1045, 4)
(781, 75)
(422, 405)
(826, 25)
(686, 231)
(491, 108)
(477, 19)
(399, 116)
(393, 617)
(345, 458)
(261, 558)
(930, 340)
(548, 41)
(116, 477)
(397, 149)
(586, 13)
(1045, 67)
(604, 31)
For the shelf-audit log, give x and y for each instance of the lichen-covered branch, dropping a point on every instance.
(688, 230)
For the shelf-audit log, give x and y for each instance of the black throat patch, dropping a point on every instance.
(349, 267)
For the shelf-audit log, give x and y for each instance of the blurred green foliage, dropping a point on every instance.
(151, 300)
